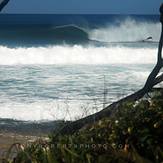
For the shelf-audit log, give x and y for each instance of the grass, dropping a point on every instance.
(133, 135)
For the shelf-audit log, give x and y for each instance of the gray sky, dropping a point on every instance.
(84, 6)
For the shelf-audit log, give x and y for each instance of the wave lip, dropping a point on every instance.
(70, 32)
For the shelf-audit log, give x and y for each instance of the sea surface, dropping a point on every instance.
(57, 67)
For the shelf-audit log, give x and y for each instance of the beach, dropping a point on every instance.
(8, 139)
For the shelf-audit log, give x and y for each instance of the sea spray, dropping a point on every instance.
(127, 30)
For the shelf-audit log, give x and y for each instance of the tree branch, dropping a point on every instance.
(110, 110)
(158, 80)
(3, 4)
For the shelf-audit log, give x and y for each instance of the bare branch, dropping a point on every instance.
(158, 80)
(3, 3)
(153, 79)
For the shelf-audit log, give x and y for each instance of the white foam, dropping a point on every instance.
(42, 110)
(57, 109)
(121, 84)
(128, 30)
(76, 55)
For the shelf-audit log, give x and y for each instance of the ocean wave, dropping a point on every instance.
(40, 36)
(118, 84)
(125, 31)
(128, 30)
(42, 110)
(76, 55)
(23, 104)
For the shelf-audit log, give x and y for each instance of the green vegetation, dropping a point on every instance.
(133, 135)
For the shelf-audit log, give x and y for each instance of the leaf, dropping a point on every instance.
(88, 156)
(71, 152)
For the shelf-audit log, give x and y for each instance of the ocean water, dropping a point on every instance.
(59, 66)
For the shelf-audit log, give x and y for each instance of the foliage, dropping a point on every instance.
(133, 135)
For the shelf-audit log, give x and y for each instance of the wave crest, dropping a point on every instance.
(76, 55)
(128, 30)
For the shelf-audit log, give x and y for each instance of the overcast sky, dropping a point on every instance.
(84, 6)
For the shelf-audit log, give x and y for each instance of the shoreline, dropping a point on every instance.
(23, 132)
(29, 127)
(7, 139)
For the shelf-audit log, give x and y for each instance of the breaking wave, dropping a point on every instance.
(127, 69)
(76, 55)
(128, 30)
(40, 36)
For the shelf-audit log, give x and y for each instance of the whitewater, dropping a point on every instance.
(67, 81)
